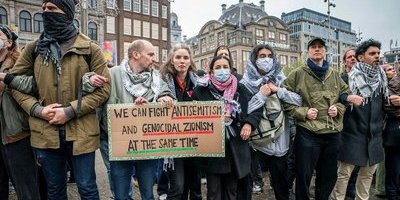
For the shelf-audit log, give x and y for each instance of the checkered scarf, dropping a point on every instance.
(367, 81)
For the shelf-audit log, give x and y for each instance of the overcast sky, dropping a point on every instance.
(378, 19)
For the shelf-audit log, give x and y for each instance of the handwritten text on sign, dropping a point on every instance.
(152, 130)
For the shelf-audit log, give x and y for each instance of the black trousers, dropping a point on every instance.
(278, 169)
(392, 166)
(18, 164)
(185, 180)
(319, 152)
(222, 186)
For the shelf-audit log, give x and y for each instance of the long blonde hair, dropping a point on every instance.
(168, 68)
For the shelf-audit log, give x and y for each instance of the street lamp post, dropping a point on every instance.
(330, 4)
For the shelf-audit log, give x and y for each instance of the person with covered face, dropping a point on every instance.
(223, 173)
(63, 122)
(319, 120)
(263, 78)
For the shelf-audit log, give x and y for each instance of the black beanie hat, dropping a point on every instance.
(68, 6)
(8, 32)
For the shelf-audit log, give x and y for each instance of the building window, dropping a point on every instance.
(92, 4)
(283, 60)
(293, 60)
(92, 31)
(271, 35)
(203, 45)
(3, 16)
(76, 23)
(282, 37)
(154, 31)
(25, 21)
(164, 11)
(221, 38)
(37, 23)
(127, 26)
(126, 47)
(154, 8)
(245, 57)
(146, 7)
(260, 33)
(157, 54)
(137, 28)
(127, 5)
(110, 4)
(110, 24)
(146, 29)
(136, 6)
(164, 55)
(164, 33)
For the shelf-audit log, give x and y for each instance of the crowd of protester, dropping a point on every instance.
(340, 128)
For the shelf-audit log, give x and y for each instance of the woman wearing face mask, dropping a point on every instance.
(223, 173)
(16, 157)
(179, 71)
(263, 78)
(224, 50)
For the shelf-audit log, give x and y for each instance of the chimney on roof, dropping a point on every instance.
(240, 1)
(223, 8)
(262, 5)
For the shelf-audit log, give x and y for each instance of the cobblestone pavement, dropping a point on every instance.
(105, 194)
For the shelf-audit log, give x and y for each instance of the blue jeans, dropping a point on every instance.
(54, 164)
(121, 175)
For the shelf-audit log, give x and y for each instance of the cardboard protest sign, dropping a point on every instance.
(149, 131)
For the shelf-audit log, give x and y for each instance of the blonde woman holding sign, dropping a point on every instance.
(179, 73)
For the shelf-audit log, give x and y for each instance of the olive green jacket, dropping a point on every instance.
(82, 130)
(319, 94)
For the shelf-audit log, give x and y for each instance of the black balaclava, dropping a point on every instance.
(58, 27)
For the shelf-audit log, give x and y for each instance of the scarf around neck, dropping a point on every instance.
(48, 46)
(144, 84)
(253, 80)
(229, 89)
(367, 81)
(318, 70)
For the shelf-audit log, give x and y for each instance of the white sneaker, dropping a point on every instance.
(203, 181)
(257, 189)
(163, 197)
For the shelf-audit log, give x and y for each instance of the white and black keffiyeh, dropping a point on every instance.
(367, 81)
(253, 80)
(141, 85)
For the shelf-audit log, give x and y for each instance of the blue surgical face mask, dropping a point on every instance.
(265, 64)
(222, 75)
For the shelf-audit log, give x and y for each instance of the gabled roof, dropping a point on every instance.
(242, 13)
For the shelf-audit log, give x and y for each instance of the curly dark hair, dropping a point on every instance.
(363, 47)
(256, 49)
